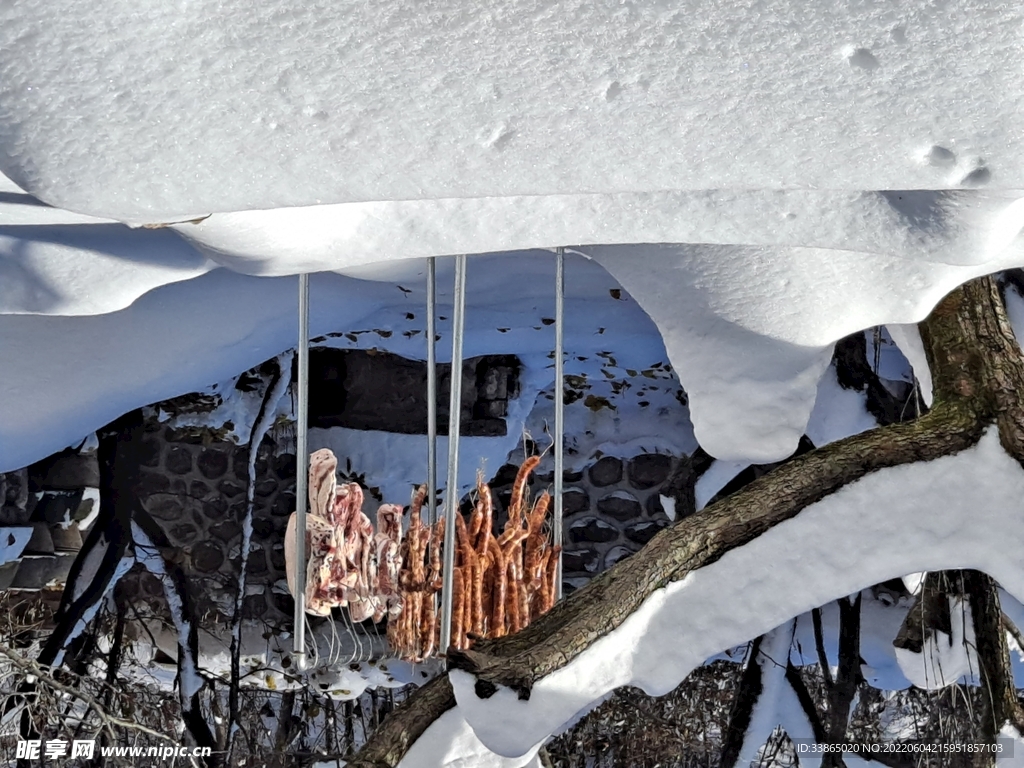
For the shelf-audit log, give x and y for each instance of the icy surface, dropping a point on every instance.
(230, 106)
(916, 517)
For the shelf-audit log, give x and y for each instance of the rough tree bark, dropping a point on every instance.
(978, 380)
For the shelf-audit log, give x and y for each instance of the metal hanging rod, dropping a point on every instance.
(451, 493)
(431, 390)
(559, 408)
(301, 475)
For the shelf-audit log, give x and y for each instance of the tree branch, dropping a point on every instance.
(978, 378)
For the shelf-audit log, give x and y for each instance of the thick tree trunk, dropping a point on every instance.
(977, 371)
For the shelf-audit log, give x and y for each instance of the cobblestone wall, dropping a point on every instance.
(195, 487)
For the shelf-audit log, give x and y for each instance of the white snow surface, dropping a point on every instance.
(450, 742)
(12, 542)
(771, 658)
(748, 311)
(185, 336)
(923, 516)
(224, 105)
(750, 329)
(944, 658)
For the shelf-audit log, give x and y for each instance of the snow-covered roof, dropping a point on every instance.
(184, 109)
(738, 170)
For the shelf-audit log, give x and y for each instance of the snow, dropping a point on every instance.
(122, 567)
(12, 542)
(750, 330)
(449, 741)
(944, 658)
(275, 105)
(747, 327)
(916, 517)
(339, 135)
(771, 658)
(182, 337)
(49, 269)
(149, 556)
(838, 412)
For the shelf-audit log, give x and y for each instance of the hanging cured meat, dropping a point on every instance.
(500, 583)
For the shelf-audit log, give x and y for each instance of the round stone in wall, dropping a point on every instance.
(178, 460)
(197, 489)
(183, 533)
(579, 560)
(212, 463)
(277, 557)
(230, 488)
(284, 466)
(593, 530)
(151, 483)
(207, 557)
(284, 505)
(621, 505)
(606, 471)
(226, 531)
(215, 508)
(574, 500)
(148, 452)
(265, 488)
(163, 506)
(649, 470)
(257, 562)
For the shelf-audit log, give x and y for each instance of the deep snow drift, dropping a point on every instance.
(223, 105)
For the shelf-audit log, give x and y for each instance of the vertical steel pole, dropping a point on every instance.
(431, 390)
(301, 474)
(559, 407)
(451, 492)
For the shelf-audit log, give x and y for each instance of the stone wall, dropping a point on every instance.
(195, 487)
(193, 481)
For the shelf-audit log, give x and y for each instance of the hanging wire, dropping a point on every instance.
(451, 494)
(559, 409)
(301, 475)
(431, 391)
